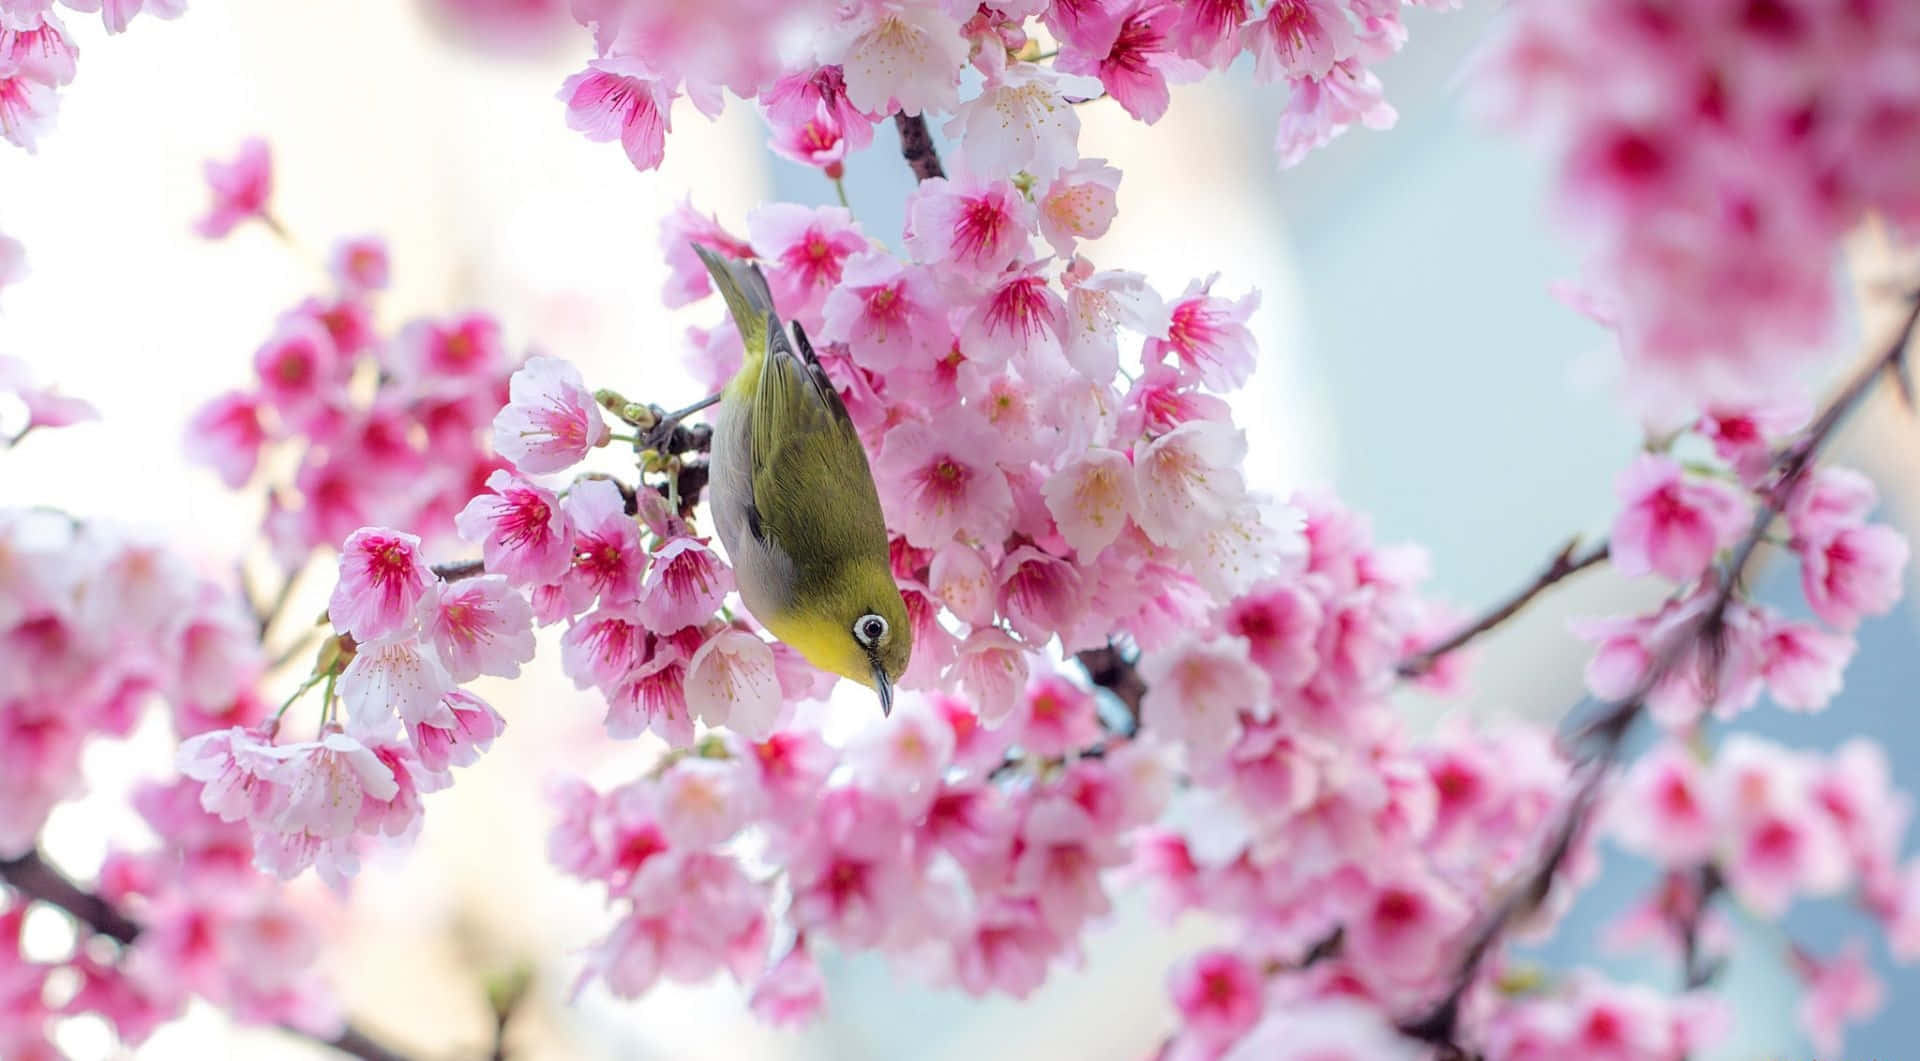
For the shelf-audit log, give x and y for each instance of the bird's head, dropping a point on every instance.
(858, 629)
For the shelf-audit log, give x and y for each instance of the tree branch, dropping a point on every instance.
(35, 879)
(1566, 563)
(916, 145)
(31, 876)
(1597, 743)
(1110, 669)
(454, 572)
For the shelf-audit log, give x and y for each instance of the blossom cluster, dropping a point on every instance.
(95, 624)
(1713, 156)
(1677, 517)
(355, 426)
(1772, 824)
(38, 57)
(824, 73)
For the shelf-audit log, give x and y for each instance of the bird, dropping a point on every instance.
(794, 501)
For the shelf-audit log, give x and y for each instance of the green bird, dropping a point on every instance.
(794, 502)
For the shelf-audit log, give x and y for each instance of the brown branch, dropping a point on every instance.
(916, 145)
(1110, 669)
(1566, 563)
(35, 879)
(31, 876)
(1598, 742)
(463, 569)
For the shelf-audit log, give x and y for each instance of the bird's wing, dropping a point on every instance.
(801, 442)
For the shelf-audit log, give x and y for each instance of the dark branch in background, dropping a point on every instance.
(1698, 969)
(916, 145)
(1110, 669)
(1596, 744)
(463, 569)
(35, 879)
(1566, 563)
(32, 877)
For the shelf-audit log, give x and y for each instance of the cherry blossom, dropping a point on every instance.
(240, 188)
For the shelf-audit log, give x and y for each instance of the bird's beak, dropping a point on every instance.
(883, 685)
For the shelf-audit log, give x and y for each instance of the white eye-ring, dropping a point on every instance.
(869, 629)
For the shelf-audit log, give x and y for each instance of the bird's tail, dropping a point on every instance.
(744, 287)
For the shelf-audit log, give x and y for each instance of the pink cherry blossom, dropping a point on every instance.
(241, 774)
(35, 46)
(902, 55)
(791, 992)
(1280, 623)
(848, 869)
(1039, 593)
(805, 248)
(652, 697)
(521, 529)
(814, 142)
(551, 421)
(1665, 807)
(456, 735)
(1209, 31)
(302, 374)
(687, 279)
(1331, 1029)
(885, 310)
(1187, 480)
(946, 480)
(1097, 305)
(327, 780)
(684, 585)
(1801, 663)
(701, 802)
(1132, 56)
(607, 555)
(603, 646)
(26, 109)
(1208, 335)
(1197, 691)
(904, 757)
(226, 434)
(383, 581)
(1023, 120)
(621, 98)
(1218, 995)
(1841, 990)
(819, 94)
(1056, 717)
(992, 669)
(1021, 318)
(1830, 499)
(360, 265)
(1744, 437)
(1853, 572)
(399, 679)
(977, 225)
(480, 626)
(1078, 204)
(466, 347)
(1672, 524)
(240, 188)
(45, 406)
(731, 682)
(1300, 39)
(1092, 497)
(1323, 108)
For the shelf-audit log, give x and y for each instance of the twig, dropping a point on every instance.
(34, 878)
(1696, 969)
(1109, 668)
(1566, 563)
(916, 145)
(1597, 743)
(454, 572)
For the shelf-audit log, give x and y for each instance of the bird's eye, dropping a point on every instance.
(869, 629)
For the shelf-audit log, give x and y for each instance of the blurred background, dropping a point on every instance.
(1411, 358)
